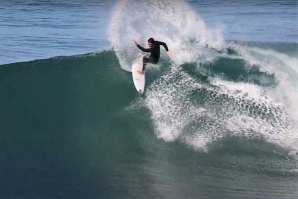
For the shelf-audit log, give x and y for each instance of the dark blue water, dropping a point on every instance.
(36, 29)
(264, 21)
(39, 29)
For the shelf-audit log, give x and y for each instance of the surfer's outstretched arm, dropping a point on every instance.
(143, 49)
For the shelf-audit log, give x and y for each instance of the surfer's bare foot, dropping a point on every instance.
(141, 72)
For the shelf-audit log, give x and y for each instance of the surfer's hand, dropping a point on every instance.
(169, 54)
(135, 42)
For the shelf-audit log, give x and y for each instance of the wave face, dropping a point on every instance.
(224, 127)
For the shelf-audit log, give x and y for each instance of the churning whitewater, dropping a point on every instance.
(248, 91)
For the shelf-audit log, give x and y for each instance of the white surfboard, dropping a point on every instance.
(138, 79)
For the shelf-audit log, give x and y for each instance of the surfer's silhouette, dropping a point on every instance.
(154, 49)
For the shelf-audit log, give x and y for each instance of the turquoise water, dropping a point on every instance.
(218, 120)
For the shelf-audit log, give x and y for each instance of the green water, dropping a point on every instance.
(70, 129)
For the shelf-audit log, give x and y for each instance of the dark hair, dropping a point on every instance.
(151, 40)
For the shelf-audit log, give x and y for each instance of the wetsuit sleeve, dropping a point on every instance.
(144, 49)
(164, 45)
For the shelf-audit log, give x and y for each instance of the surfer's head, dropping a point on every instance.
(150, 42)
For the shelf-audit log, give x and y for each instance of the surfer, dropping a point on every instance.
(154, 49)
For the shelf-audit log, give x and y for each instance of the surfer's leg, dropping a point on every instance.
(145, 61)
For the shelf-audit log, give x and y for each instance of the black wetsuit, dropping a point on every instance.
(155, 53)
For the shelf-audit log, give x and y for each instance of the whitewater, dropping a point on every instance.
(236, 108)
